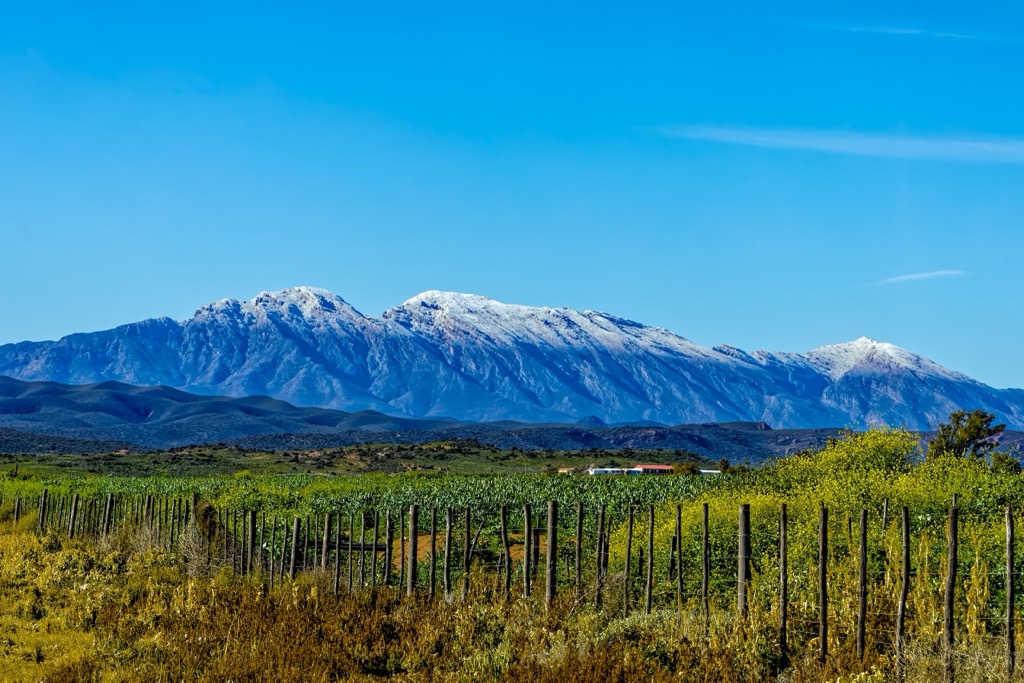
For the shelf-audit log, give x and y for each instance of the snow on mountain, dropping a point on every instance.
(573, 363)
(444, 315)
(443, 354)
(864, 354)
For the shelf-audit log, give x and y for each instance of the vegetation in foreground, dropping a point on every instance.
(75, 611)
(125, 608)
(106, 613)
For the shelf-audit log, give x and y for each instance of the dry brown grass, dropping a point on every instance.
(115, 611)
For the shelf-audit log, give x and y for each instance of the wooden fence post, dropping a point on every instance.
(42, 511)
(862, 586)
(362, 549)
(743, 561)
(108, 511)
(447, 553)
(822, 584)
(679, 559)
(376, 542)
(295, 547)
(388, 548)
(527, 540)
(599, 574)
(401, 549)
(901, 610)
(115, 509)
(284, 545)
(948, 639)
(552, 553)
(705, 570)
(251, 541)
(270, 560)
(674, 542)
(579, 548)
(305, 543)
(260, 543)
(174, 524)
(326, 540)
(349, 559)
(73, 516)
(649, 587)
(506, 555)
(234, 547)
(535, 545)
(83, 516)
(337, 550)
(629, 553)
(783, 584)
(1011, 654)
(433, 550)
(109, 526)
(414, 510)
(237, 548)
(466, 550)
(222, 528)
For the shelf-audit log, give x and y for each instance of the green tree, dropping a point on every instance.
(967, 433)
(1005, 463)
(685, 468)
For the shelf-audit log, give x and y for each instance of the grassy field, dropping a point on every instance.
(444, 457)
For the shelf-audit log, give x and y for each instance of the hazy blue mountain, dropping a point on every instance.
(470, 358)
(48, 417)
(162, 417)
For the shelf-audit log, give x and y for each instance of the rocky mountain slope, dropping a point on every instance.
(467, 357)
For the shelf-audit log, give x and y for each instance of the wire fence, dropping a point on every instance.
(822, 587)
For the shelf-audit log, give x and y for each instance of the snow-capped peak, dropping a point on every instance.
(301, 296)
(449, 315)
(866, 354)
(446, 312)
(474, 309)
(310, 303)
(451, 301)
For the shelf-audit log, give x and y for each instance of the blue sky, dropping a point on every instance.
(775, 180)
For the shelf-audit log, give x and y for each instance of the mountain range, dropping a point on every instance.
(456, 356)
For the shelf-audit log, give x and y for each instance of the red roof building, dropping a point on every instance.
(653, 469)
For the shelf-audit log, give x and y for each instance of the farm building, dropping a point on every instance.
(635, 470)
(607, 470)
(653, 469)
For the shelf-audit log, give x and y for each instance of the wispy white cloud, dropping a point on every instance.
(921, 276)
(905, 31)
(1004, 150)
